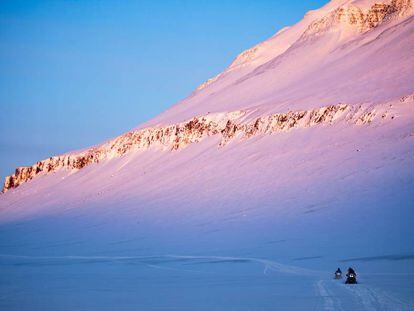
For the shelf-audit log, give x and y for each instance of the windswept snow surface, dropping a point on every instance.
(260, 223)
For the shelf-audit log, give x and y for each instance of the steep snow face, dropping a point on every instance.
(271, 48)
(360, 15)
(340, 52)
(283, 39)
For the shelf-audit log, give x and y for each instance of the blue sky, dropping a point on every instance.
(75, 73)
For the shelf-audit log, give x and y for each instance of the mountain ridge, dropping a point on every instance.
(283, 49)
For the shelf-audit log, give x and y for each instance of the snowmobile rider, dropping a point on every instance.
(350, 271)
(338, 273)
(351, 276)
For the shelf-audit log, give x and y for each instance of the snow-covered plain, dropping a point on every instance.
(260, 223)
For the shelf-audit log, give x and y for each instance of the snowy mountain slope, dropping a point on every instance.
(308, 200)
(351, 49)
(336, 42)
(247, 195)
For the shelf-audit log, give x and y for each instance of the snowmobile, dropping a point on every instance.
(351, 277)
(338, 274)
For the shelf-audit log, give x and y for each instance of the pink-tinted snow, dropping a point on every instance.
(259, 223)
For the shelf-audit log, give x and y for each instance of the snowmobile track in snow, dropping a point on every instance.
(330, 302)
(373, 299)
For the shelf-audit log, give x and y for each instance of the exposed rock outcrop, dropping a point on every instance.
(359, 19)
(350, 16)
(177, 136)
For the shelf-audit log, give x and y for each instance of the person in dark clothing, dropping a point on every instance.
(351, 277)
(350, 270)
(338, 273)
